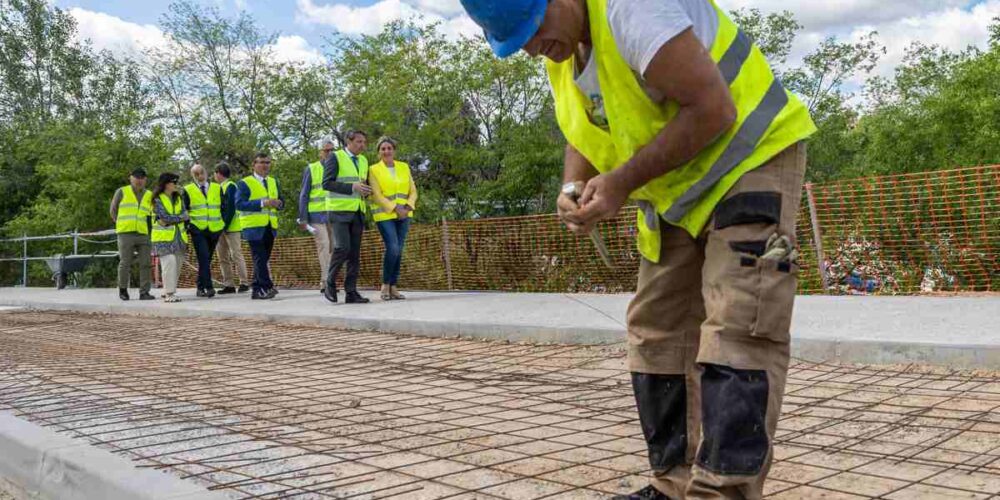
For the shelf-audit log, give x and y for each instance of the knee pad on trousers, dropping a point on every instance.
(734, 426)
(662, 402)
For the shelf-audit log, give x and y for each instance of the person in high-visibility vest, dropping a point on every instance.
(230, 249)
(170, 237)
(203, 201)
(393, 199)
(668, 103)
(345, 176)
(131, 207)
(314, 209)
(258, 201)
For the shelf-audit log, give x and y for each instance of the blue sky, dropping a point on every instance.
(123, 25)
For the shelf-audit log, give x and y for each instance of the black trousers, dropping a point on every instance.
(260, 250)
(346, 249)
(204, 247)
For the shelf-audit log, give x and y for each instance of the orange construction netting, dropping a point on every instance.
(899, 234)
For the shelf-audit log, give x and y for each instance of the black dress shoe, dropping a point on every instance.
(123, 293)
(271, 293)
(647, 493)
(146, 296)
(227, 290)
(210, 292)
(243, 289)
(330, 294)
(260, 295)
(201, 293)
(355, 298)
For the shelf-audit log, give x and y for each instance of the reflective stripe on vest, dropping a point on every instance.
(347, 173)
(395, 189)
(318, 197)
(132, 215)
(769, 120)
(206, 213)
(166, 234)
(267, 215)
(234, 224)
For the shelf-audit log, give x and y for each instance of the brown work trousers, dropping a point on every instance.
(708, 338)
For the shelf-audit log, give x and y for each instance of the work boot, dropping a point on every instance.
(355, 298)
(386, 295)
(330, 293)
(647, 493)
(260, 295)
(210, 292)
(123, 293)
(227, 290)
(243, 289)
(146, 296)
(201, 293)
(394, 293)
(271, 293)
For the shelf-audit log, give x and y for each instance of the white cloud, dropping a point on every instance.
(820, 16)
(115, 34)
(952, 28)
(369, 20)
(296, 49)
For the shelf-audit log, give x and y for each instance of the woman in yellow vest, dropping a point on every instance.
(394, 197)
(170, 236)
(668, 103)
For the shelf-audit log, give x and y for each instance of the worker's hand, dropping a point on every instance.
(361, 188)
(566, 205)
(402, 212)
(303, 227)
(602, 198)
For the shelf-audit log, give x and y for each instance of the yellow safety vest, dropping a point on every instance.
(346, 172)
(166, 234)
(206, 213)
(319, 199)
(770, 119)
(395, 189)
(267, 215)
(234, 225)
(132, 214)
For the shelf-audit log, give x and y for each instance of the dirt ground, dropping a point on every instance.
(274, 411)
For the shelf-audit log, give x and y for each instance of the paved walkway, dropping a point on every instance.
(261, 410)
(952, 331)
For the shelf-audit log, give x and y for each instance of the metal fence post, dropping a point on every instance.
(817, 234)
(447, 253)
(24, 262)
(76, 241)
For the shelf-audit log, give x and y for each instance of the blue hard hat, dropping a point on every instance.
(508, 24)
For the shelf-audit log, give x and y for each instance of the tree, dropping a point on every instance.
(773, 33)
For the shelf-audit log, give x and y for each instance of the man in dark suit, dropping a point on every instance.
(345, 176)
(258, 202)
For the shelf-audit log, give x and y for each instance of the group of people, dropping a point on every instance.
(339, 192)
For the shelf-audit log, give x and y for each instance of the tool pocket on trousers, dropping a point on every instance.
(777, 282)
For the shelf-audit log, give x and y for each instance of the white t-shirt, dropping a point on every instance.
(640, 29)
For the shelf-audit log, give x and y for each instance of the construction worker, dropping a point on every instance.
(668, 103)
(131, 208)
(258, 201)
(314, 209)
(230, 249)
(345, 176)
(203, 201)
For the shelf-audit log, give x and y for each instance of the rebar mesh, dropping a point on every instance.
(259, 410)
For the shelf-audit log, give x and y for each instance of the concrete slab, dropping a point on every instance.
(953, 331)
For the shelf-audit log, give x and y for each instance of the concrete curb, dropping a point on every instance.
(424, 328)
(845, 329)
(51, 466)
